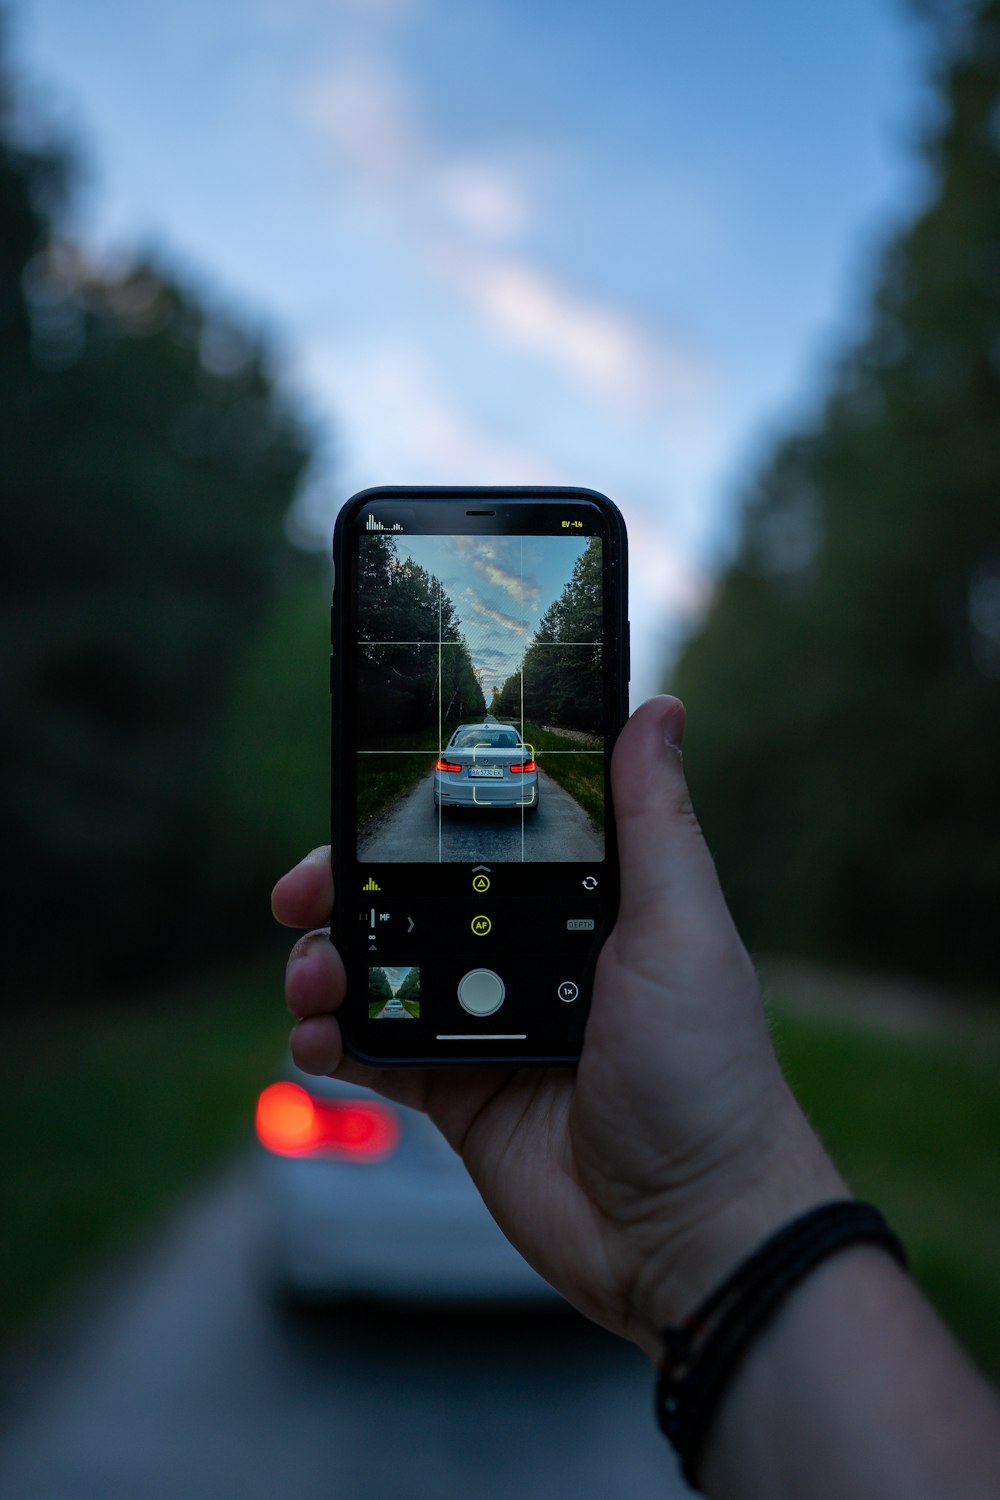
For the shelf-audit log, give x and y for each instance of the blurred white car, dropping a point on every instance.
(362, 1197)
(487, 766)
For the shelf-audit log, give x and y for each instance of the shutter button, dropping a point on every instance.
(481, 992)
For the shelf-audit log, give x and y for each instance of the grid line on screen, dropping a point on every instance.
(521, 578)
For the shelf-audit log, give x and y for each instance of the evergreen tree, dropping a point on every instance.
(379, 987)
(845, 688)
(561, 669)
(413, 661)
(149, 464)
(410, 987)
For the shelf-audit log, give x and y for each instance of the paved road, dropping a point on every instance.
(560, 830)
(179, 1381)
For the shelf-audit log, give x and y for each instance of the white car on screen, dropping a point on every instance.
(486, 766)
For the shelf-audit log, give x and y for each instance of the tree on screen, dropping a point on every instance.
(379, 987)
(413, 658)
(410, 987)
(560, 674)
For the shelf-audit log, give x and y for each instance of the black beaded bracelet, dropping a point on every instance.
(702, 1353)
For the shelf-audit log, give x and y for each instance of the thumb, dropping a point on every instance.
(663, 856)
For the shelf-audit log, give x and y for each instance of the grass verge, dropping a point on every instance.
(913, 1122)
(105, 1119)
(581, 774)
(382, 779)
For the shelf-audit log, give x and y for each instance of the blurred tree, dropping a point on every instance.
(845, 688)
(269, 763)
(149, 465)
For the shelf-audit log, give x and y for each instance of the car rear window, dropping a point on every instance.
(496, 739)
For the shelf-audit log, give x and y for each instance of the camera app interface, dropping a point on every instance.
(480, 699)
(479, 755)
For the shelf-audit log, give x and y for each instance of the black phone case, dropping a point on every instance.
(343, 837)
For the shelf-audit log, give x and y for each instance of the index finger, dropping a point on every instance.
(304, 897)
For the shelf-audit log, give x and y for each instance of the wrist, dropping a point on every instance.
(717, 1221)
(703, 1356)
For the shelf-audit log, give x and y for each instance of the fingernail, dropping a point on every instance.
(672, 726)
(320, 856)
(304, 944)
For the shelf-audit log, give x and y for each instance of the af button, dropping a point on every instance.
(481, 926)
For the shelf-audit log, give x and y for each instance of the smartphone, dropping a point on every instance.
(479, 676)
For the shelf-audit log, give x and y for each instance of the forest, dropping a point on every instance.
(844, 687)
(164, 714)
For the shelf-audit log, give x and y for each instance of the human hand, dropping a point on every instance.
(636, 1181)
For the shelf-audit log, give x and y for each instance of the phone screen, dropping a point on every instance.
(481, 686)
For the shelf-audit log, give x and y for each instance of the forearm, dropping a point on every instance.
(856, 1390)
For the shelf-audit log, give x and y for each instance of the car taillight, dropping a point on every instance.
(528, 765)
(447, 765)
(291, 1122)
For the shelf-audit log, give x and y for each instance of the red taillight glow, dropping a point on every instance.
(290, 1122)
(529, 765)
(447, 765)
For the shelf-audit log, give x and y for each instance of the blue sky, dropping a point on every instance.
(512, 241)
(500, 587)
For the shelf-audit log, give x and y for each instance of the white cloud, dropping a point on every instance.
(482, 199)
(667, 592)
(402, 425)
(451, 211)
(364, 111)
(459, 223)
(664, 581)
(595, 347)
(521, 590)
(519, 628)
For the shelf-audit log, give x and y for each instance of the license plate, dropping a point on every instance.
(495, 771)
